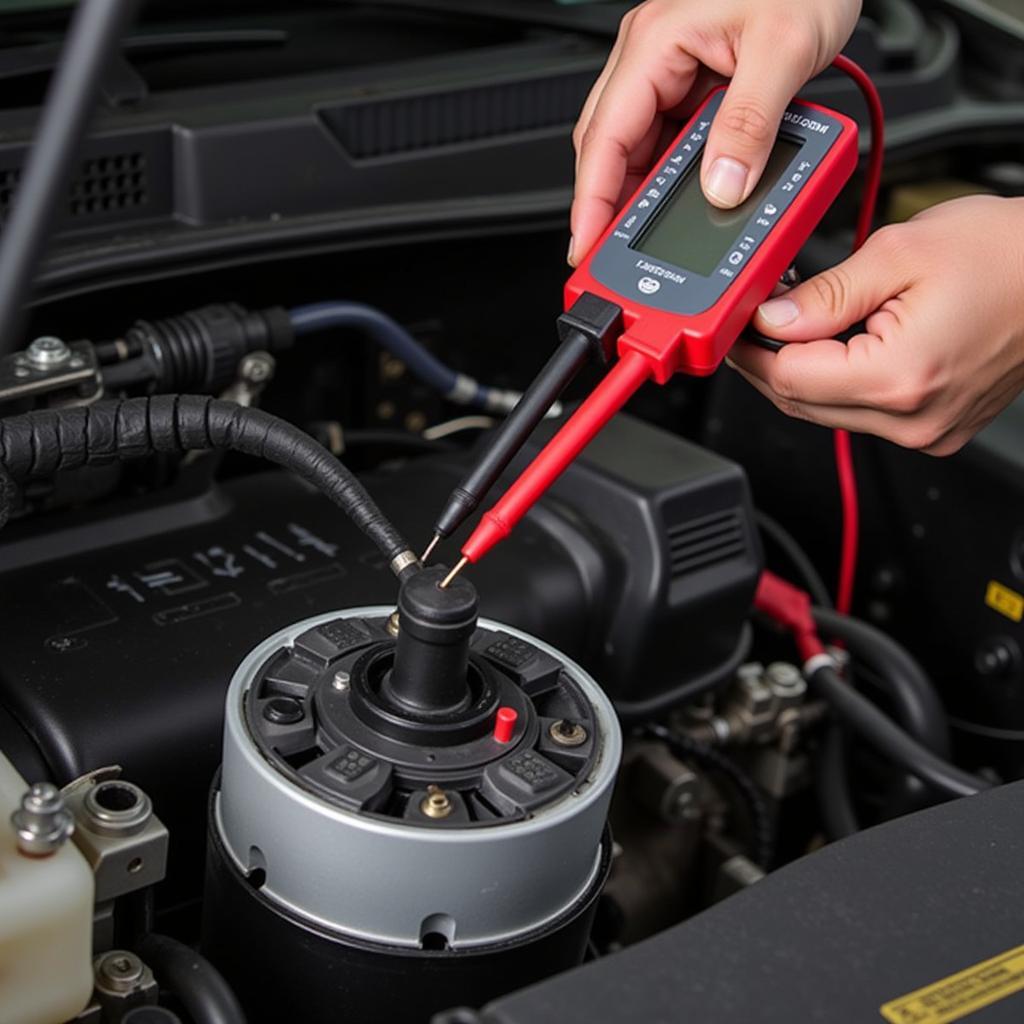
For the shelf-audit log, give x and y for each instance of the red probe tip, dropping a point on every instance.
(489, 531)
(504, 724)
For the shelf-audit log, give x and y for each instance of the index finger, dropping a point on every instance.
(827, 372)
(623, 118)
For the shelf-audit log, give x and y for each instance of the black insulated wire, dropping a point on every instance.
(92, 43)
(686, 748)
(882, 733)
(38, 444)
(797, 557)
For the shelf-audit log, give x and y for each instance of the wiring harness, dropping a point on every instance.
(38, 444)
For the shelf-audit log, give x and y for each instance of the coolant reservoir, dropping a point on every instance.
(46, 907)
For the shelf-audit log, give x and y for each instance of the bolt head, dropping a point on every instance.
(119, 970)
(567, 734)
(340, 681)
(785, 680)
(42, 823)
(47, 352)
(257, 367)
(43, 798)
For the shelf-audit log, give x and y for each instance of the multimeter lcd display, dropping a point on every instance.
(691, 234)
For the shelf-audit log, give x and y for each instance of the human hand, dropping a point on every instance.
(943, 296)
(667, 56)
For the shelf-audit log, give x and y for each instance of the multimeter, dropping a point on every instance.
(685, 277)
(689, 276)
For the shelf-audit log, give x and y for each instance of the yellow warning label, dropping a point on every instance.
(960, 994)
(1007, 602)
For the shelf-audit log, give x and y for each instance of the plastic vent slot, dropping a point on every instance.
(385, 127)
(706, 541)
(109, 183)
(8, 183)
(103, 185)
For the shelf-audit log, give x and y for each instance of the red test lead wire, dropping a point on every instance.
(842, 443)
(659, 342)
(618, 385)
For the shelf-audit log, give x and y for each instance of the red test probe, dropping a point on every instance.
(687, 276)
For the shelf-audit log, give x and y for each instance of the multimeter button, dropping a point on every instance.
(736, 258)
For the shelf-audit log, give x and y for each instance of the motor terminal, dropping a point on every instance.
(435, 626)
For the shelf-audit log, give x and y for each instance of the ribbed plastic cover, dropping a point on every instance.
(384, 127)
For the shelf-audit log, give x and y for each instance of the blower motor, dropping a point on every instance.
(411, 812)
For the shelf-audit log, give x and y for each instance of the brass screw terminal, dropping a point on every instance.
(437, 803)
(567, 734)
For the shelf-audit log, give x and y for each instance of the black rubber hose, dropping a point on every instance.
(891, 669)
(885, 666)
(897, 673)
(762, 827)
(92, 42)
(881, 732)
(38, 444)
(832, 788)
(192, 979)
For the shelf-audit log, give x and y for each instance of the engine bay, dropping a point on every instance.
(309, 260)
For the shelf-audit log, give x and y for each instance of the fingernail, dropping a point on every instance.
(568, 255)
(778, 312)
(730, 363)
(727, 180)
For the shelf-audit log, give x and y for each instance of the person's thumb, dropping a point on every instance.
(747, 123)
(829, 302)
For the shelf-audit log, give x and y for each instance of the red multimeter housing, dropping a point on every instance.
(687, 276)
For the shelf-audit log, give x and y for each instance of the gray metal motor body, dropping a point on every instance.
(395, 876)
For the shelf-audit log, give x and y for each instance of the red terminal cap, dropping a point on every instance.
(504, 724)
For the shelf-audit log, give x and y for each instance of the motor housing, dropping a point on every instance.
(374, 818)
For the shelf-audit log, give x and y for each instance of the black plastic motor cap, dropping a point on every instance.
(435, 626)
